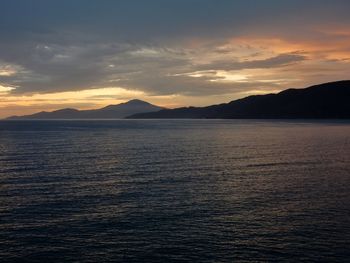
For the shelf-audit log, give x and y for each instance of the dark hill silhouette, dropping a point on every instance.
(329, 100)
(118, 111)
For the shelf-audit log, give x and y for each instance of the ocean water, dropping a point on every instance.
(174, 191)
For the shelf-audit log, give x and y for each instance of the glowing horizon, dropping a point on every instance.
(48, 63)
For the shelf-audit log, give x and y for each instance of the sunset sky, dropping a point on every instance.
(87, 54)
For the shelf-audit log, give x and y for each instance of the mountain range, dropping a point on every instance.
(118, 111)
(329, 100)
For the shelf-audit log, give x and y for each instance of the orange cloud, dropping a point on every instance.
(326, 47)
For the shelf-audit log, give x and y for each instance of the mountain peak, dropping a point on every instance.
(117, 111)
(137, 101)
(67, 110)
(134, 103)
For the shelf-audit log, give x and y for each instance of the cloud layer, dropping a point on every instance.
(170, 52)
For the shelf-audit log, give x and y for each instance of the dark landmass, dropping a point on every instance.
(118, 111)
(324, 101)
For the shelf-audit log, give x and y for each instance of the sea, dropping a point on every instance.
(175, 191)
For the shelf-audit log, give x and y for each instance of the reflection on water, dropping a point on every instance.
(195, 190)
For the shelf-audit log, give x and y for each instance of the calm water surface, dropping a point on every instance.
(174, 191)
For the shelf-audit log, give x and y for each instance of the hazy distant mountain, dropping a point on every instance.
(329, 100)
(110, 112)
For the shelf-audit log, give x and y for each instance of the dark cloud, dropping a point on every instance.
(72, 45)
(138, 19)
(277, 61)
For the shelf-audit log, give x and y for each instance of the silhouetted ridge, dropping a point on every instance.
(329, 100)
(109, 112)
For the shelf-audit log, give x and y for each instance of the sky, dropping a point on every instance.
(87, 54)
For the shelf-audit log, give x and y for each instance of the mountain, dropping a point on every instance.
(329, 100)
(118, 111)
